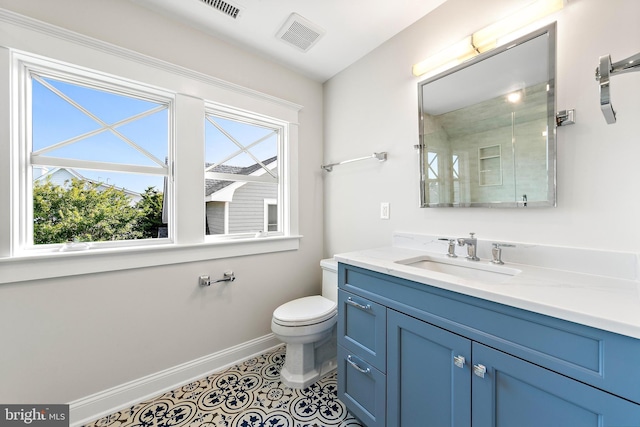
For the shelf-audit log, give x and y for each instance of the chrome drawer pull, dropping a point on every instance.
(479, 370)
(459, 361)
(355, 365)
(360, 306)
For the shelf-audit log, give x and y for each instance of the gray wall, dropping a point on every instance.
(67, 338)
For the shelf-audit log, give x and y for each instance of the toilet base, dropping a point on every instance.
(304, 364)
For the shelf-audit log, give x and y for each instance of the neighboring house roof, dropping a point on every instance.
(214, 185)
(59, 175)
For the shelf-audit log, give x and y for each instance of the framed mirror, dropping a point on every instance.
(487, 128)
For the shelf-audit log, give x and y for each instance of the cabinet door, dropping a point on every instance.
(514, 392)
(428, 374)
(362, 328)
(361, 387)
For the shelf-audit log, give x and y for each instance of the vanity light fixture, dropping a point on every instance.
(514, 97)
(487, 38)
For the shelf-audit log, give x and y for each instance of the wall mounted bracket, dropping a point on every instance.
(566, 117)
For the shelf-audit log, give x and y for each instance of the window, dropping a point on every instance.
(455, 175)
(113, 124)
(97, 152)
(242, 174)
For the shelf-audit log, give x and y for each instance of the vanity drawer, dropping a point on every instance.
(603, 359)
(362, 328)
(362, 388)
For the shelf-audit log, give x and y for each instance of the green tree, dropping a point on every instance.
(82, 211)
(150, 212)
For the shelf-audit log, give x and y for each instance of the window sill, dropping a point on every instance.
(62, 264)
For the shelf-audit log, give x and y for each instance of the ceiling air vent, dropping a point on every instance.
(225, 7)
(300, 32)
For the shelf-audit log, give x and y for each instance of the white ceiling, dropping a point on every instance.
(494, 74)
(353, 27)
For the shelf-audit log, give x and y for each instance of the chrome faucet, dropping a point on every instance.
(472, 244)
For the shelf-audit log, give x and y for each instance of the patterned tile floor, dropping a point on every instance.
(248, 394)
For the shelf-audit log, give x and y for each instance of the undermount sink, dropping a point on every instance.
(463, 268)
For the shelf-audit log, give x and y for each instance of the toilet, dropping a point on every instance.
(308, 327)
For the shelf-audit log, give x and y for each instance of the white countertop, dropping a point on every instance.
(605, 302)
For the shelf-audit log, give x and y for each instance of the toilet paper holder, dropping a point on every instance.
(229, 276)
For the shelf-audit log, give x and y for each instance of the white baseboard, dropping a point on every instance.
(106, 402)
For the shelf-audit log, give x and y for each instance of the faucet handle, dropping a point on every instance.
(496, 252)
(451, 249)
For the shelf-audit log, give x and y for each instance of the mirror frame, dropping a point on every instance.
(550, 32)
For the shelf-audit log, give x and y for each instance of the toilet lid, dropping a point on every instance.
(305, 311)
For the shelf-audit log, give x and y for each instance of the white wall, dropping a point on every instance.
(372, 106)
(66, 338)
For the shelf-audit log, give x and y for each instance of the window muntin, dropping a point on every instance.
(33, 44)
(433, 173)
(242, 170)
(101, 147)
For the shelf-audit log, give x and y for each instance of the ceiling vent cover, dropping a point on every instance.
(300, 32)
(225, 7)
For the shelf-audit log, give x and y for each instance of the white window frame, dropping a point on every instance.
(25, 66)
(281, 165)
(28, 38)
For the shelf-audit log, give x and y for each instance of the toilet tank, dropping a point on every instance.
(330, 279)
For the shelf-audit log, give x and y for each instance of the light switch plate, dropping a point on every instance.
(384, 210)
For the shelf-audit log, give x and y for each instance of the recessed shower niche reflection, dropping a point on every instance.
(487, 129)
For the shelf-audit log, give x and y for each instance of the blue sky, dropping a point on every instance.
(56, 120)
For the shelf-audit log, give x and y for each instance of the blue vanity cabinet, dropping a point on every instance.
(362, 347)
(513, 392)
(455, 360)
(362, 388)
(428, 379)
(362, 327)
(439, 378)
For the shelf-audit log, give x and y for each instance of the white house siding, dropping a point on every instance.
(246, 211)
(215, 217)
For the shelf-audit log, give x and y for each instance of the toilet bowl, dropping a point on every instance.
(308, 327)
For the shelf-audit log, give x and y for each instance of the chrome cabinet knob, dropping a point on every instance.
(479, 370)
(459, 361)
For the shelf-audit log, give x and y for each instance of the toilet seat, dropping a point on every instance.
(305, 311)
